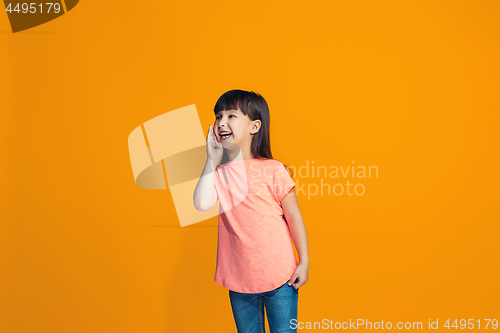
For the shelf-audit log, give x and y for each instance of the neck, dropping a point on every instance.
(239, 155)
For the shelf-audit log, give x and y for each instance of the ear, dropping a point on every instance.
(255, 127)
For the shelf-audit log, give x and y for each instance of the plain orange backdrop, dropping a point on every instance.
(410, 87)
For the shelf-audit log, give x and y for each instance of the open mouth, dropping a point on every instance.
(226, 136)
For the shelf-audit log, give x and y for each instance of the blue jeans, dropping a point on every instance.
(281, 308)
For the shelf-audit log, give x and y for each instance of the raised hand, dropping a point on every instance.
(214, 147)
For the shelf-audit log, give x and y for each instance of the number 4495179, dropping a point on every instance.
(469, 324)
(34, 8)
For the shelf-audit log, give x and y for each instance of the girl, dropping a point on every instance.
(258, 216)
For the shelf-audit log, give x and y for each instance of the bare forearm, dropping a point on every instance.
(299, 236)
(205, 196)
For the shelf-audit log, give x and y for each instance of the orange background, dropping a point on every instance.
(409, 87)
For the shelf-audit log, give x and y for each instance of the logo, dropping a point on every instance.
(170, 151)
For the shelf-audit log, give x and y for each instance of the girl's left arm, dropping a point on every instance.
(297, 227)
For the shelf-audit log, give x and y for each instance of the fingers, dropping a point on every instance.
(297, 284)
(215, 136)
(296, 281)
(212, 137)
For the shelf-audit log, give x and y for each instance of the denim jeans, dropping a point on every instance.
(281, 307)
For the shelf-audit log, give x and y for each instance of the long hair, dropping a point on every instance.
(255, 107)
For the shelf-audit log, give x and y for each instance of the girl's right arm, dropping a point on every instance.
(205, 196)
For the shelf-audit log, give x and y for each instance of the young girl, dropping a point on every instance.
(258, 216)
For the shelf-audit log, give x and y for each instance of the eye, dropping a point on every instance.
(217, 117)
(232, 115)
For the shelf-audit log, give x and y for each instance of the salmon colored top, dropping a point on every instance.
(254, 249)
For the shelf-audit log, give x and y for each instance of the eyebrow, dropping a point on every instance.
(231, 111)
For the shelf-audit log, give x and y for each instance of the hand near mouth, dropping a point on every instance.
(214, 147)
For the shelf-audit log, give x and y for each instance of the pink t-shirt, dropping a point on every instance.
(254, 249)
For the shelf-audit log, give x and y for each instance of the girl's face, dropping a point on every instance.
(239, 127)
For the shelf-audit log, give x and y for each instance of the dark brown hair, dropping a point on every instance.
(255, 107)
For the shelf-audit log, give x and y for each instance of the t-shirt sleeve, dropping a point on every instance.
(283, 183)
